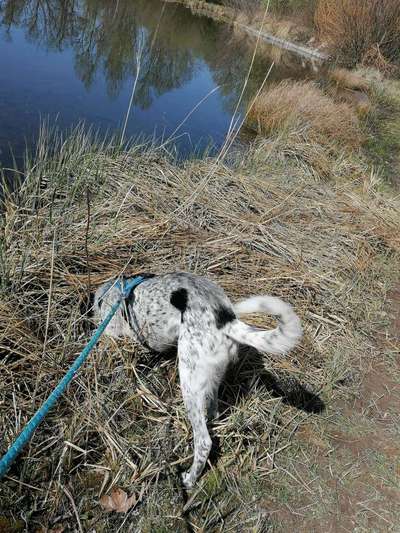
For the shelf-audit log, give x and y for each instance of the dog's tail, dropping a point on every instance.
(276, 341)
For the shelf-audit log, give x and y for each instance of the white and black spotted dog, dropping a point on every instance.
(194, 314)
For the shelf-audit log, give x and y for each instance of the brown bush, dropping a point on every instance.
(303, 108)
(353, 29)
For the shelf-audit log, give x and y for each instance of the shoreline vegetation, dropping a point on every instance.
(269, 29)
(340, 31)
(309, 212)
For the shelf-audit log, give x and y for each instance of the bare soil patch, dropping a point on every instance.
(356, 469)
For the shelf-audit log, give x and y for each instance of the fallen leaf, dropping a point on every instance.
(107, 503)
(117, 501)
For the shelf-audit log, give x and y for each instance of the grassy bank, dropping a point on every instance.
(349, 116)
(265, 223)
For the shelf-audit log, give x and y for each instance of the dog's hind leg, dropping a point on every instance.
(195, 406)
(194, 391)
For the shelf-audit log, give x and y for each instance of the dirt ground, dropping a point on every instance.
(354, 484)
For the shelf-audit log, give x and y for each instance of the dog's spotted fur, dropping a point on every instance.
(196, 315)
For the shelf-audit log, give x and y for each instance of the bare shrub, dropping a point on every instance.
(302, 107)
(354, 29)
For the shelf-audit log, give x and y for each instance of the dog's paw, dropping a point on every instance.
(187, 480)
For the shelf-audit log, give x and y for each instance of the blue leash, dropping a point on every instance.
(27, 432)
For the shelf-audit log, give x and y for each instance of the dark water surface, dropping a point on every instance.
(77, 60)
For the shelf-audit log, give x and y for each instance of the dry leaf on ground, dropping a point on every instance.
(117, 501)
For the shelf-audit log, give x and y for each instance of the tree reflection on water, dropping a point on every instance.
(108, 36)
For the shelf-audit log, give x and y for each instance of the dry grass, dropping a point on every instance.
(302, 108)
(262, 225)
(361, 30)
(348, 79)
(352, 88)
(383, 146)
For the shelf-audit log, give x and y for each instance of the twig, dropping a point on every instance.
(89, 287)
(23, 484)
(47, 316)
(233, 121)
(233, 129)
(138, 63)
(69, 496)
(50, 291)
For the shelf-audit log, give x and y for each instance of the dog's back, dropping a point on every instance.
(160, 304)
(196, 315)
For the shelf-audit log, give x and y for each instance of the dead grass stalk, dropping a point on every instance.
(263, 225)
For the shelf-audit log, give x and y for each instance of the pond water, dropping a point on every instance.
(77, 60)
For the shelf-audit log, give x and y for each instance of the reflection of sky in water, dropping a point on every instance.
(35, 83)
(86, 71)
